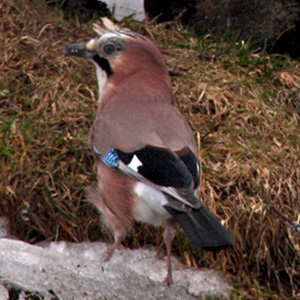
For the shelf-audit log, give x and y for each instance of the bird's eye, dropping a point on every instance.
(109, 48)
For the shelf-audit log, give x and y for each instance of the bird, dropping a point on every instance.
(148, 166)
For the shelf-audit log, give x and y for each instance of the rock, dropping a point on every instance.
(125, 8)
(3, 293)
(61, 270)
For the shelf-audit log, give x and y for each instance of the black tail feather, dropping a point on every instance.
(202, 228)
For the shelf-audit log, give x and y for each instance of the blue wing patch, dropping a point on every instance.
(111, 159)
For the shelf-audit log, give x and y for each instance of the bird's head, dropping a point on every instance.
(121, 51)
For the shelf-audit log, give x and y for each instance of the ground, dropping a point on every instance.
(242, 104)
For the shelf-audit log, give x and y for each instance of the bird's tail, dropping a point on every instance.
(202, 228)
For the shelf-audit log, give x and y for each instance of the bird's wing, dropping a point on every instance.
(165, 171)
(156, 148)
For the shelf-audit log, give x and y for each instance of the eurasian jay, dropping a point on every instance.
(147, 163)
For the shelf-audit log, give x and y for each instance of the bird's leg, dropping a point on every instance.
(112, 249)
(118, 239)
(169, 233)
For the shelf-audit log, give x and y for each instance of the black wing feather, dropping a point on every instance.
(162, 167)
(192, 163)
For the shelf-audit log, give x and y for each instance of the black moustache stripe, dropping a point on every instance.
(103, 64)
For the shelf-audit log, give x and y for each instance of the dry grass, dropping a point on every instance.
(244, 106)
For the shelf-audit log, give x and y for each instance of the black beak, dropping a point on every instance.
(80, 51)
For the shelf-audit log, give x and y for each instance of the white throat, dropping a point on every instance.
(102, 79)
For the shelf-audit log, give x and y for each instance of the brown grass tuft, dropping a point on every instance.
(244, 106)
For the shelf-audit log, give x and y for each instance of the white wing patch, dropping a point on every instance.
(135, 164)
